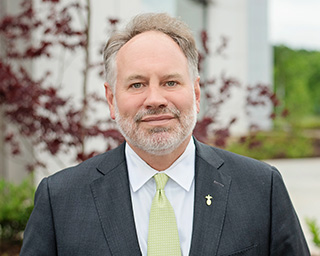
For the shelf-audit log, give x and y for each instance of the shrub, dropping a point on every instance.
(16, 204)
(315, 231)
(309, 122)
(276, 144)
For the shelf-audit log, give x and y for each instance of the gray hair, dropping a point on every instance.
(161, 22)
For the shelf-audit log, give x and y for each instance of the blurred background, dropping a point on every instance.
(260, 78)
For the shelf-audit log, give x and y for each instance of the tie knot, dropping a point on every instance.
(161, 180)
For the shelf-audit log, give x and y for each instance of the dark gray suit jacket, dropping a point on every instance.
(87, 210)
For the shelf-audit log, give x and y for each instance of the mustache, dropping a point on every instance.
(156, 111)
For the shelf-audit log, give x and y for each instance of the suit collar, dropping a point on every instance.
(208, 220)
(111, 194)
(208, 154)
(112, 160)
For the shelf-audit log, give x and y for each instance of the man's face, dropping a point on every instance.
(155, 101)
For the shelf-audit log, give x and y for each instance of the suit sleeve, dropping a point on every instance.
(287, 237)
(39, 236)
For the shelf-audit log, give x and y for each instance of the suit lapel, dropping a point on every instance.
(208, 219)
(112, 198)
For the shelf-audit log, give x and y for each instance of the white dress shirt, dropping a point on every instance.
(179, 191)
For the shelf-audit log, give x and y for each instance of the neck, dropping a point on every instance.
(162, 162)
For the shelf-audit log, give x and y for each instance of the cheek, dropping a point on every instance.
(183, 101)
(127, 106)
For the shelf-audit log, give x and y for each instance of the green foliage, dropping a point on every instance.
(269, 145)
(297, 81)
(16, 204)
(315, 231)
(309, 122)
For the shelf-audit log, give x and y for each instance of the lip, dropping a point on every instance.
(157, 119)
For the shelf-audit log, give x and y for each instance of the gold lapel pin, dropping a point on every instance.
(208, 197)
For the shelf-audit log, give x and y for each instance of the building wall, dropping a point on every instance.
(260, 56)
(12, 168)
(247, 57)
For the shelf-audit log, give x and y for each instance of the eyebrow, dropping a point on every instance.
(172, 76)
(135, 77)
(165, 77)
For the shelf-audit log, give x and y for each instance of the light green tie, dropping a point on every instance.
(163, 237)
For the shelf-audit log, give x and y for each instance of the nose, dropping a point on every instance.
(155, 97)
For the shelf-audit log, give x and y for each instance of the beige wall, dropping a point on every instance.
(12, 168)
(244, 22)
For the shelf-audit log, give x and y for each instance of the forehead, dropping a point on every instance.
(152, 46)
(149, 38)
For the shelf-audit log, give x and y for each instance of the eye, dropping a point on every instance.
(171, 83)
(136, 85)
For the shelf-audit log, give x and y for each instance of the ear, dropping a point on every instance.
(110, 99)
(197, 93)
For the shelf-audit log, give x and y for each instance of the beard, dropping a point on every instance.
(158, 140)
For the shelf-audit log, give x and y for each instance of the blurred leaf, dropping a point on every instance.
(315, 231)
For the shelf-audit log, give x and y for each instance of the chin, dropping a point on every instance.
(160, 143)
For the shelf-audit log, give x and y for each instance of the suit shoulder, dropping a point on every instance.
(235, 163)
(87, 170)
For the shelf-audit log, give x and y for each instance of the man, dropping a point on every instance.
(223, 203)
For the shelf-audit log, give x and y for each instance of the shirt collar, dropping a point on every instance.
(181, 171)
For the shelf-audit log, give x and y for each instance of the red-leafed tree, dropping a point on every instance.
(56, 123)
(35, 106)
(208, 128)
